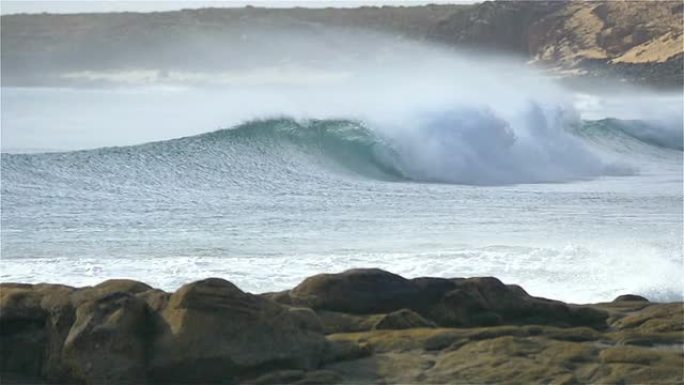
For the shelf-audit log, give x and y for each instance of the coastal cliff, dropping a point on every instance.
(637, 42)
(359, 326)
(634, 41)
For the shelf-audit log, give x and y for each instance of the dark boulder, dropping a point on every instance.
(365, 291)
(156, 299)
(88, 335)
(34, 321)
(108, 287)
(358, 291)
(630, 298)
(488, 302)
(107, 343)
(214, 332)
(123, 331)
(447, 302)
(22, 336)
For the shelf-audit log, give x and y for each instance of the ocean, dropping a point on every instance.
(575, 202)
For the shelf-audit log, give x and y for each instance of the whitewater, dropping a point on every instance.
(463, 171)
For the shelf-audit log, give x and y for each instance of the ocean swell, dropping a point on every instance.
(469, 146)
(472, 146)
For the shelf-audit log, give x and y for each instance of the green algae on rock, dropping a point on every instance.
(360, 326)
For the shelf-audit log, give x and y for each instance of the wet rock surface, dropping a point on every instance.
(359, 326)
(446, 302)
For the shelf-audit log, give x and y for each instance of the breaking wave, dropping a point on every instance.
(461, 146)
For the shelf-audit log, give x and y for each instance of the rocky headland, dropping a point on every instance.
(359, 326)
(638, 42)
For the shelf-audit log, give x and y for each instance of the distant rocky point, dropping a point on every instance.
(638, 42)
(359, 326)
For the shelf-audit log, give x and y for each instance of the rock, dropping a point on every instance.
(365, 292)
(214, 332)
(278, 377)
(654, 318)
(484, 301)
(306, 319)
(445, 302)
(122, 330)
(20, 302)
(630, 298)
(344, 350)
(107, 343)
(155, 298)
(106, 337)
(34, 321)
(391, 368)
(23, 338)
(321, 377)
(70, 335)
(336, 322)
(210, 331)
(403, 319)
(357, 291)
(298, 377)
(426, 339)
(487, 302)
(638, 365)
(108, 287)
(282, 297)
(507, 354)
(122, 286)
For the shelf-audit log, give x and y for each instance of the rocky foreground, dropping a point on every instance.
(360, 326)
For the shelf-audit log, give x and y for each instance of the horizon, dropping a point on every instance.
(16, 7)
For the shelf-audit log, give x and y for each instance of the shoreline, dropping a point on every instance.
(359, 326)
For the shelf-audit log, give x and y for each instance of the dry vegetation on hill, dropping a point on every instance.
(638, 41)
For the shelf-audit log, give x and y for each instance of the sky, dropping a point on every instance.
(59, 6)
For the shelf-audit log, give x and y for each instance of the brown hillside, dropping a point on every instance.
(637, 41)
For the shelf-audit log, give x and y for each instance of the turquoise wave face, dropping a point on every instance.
(348, 144)
(470, 147)
(653, 134)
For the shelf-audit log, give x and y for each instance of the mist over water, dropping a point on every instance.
(386, 153)
(337, 74)
(393, 84)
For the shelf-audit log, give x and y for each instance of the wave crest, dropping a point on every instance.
(461, 146)
(471, 146)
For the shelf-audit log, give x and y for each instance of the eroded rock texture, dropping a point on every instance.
(359, 326)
